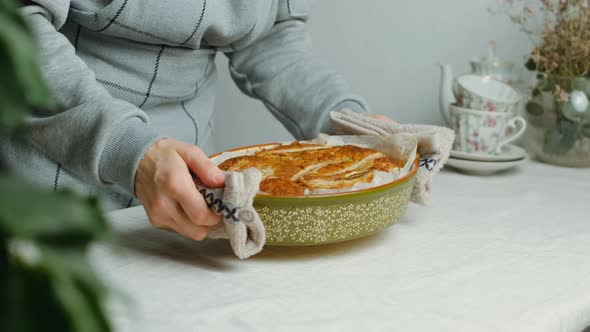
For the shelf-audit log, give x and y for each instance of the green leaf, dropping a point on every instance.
(586, 130)
(13, 106)
(531, 65)
(568, 111)
(61, 291)
(21, 82)
(53, 217)
(17, 41)
(27, 293)
(535, 109)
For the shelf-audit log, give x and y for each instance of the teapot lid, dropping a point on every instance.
(492, 59)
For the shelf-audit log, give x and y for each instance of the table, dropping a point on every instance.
(509, 252)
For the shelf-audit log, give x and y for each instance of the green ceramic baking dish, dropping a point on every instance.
(321, 219)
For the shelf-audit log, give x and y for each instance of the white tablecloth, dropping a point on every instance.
(504, 253)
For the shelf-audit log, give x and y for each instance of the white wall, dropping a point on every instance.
(387, 49)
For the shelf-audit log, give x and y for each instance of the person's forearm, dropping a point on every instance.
(96, 137)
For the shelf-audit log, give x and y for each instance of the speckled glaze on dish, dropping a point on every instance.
(321, 219)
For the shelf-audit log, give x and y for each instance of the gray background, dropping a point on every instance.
(388, 52)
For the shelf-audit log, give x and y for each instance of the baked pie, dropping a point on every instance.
(295, 169)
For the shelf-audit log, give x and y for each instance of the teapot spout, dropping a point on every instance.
(447, 95)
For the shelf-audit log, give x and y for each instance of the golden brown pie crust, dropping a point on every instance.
(288, 170)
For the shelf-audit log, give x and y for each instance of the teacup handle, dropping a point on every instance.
(514, 122)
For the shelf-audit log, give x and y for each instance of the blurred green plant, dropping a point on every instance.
(46, 282)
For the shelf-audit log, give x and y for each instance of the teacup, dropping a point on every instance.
(484, 132)
(484, 93)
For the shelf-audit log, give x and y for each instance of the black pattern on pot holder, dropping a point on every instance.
(428, 163)
(215, 203)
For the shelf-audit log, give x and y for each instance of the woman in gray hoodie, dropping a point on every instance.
(135, 81)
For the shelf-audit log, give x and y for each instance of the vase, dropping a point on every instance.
(558, 114)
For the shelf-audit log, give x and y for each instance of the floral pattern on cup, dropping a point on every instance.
(484, 132)
(484, 93)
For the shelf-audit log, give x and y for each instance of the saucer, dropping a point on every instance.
(483, 167)
(510, 152)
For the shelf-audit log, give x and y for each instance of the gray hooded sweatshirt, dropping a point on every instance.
(127, 73)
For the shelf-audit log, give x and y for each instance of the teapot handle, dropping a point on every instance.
(447, 91)
(455, 89)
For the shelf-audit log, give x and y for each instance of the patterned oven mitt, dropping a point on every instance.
(241, 223)
(434, 144)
